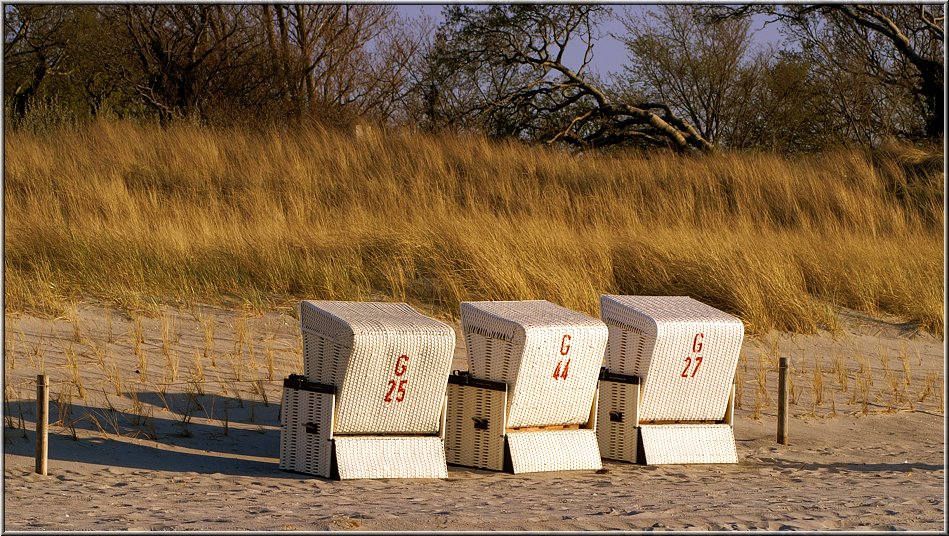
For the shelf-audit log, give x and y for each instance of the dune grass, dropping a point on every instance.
(140, 215)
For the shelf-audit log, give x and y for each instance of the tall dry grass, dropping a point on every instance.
(138, 215)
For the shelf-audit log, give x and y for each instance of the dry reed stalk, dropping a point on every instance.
(114, 375)
(226, 420)
(91, 417)
(207, 328)
(240, 334)
(884, 361)
(929, 387)
(20, 412)
(37, 356)
(261, 391)
(72, 363)
(72, 315)
(756, 412)
(854, 391)
(817, 384)
(9, 343)
(112, 415)
(839, 370)
(904, 361)
(101, 352)
(138, 338)
(269, 352)
(7, 397)
(761, 375)
(237, 366)
(64, 408)
(863, 385)
(141, 414)
(142, 364)
(167, 335)
(897, 389)
(889, 381)
(793, 391)
(251, 351)
(197, 369)
(109, 336)
(864, 368)
(940, 408)
(171, 364)
(197, 385)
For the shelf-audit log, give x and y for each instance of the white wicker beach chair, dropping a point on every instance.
(379, 372)
(532, 388)
(668, 394)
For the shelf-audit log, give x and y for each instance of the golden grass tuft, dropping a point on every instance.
(139, 214)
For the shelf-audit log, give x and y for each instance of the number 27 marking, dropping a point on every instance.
(688, 363)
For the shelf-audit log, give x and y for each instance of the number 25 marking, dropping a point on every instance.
(401, 395)
(688, 363)
(401, 365)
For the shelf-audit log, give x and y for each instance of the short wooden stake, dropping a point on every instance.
(783, 400)
(42, 423)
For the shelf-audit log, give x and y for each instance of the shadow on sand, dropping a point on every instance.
(142, 441)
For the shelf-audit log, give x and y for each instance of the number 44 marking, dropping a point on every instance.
(561, 374)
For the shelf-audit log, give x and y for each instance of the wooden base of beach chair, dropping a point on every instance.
(476, 433)
(306, 427)
(308, 444)
(475, 422)
(623, 437)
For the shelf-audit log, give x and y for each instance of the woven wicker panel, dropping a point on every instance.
(617, 420)
(306, 432)
(548, 355)
(289, 435)
(389, 362)
(554, 450)
(684, 351)
(390, 457)
(688, 443)
(494, 342)
(474, 429)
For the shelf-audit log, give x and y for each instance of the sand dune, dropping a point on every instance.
(175, 434)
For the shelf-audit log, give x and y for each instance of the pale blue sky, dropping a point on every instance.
(609, 53)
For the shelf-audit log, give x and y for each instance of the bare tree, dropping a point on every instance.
(34, 48)
(793, 109)
(890, 55)
(185, 54)
(323, 59)
(518, 56)
(703, 70)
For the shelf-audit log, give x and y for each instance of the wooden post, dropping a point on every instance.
(783, 400)
(42, 422)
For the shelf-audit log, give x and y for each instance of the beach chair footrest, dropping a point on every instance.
(390, 457)
(687, 443)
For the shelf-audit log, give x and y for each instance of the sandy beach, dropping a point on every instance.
(170, 422)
